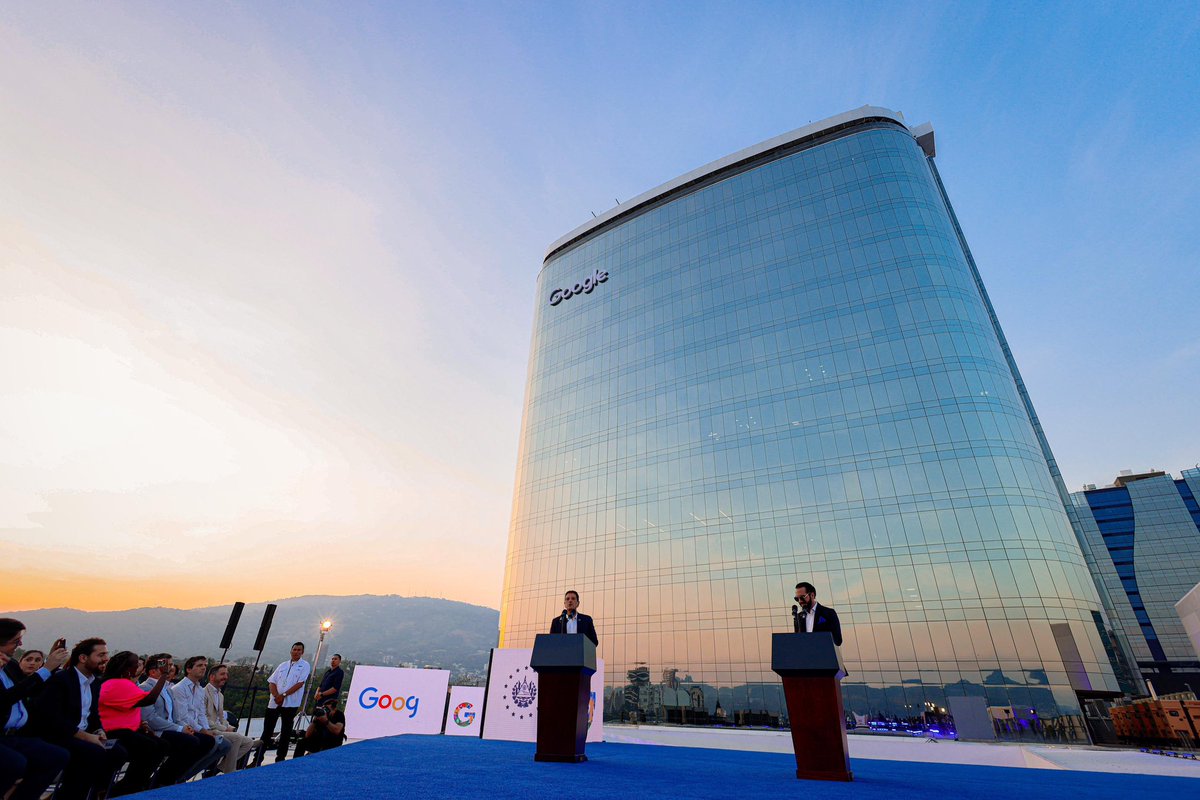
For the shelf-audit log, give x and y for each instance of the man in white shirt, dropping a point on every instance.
(189, 711)
(287, 684)
(187, 746)
(214, 711)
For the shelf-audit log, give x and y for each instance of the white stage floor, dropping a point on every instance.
(898, 748)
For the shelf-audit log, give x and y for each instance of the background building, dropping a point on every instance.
(1143, 540)
(1188, 609)
(784, 366)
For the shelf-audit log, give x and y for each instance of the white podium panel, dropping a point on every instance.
(512, 698)
(465, 711)
(385, 701)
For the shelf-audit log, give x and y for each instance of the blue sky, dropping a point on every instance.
(269, 273)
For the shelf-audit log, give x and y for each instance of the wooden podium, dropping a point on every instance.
(565, 664)
(812, 675)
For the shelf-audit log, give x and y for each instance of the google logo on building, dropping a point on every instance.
(583, 287)
(386, 701)
(464, 715)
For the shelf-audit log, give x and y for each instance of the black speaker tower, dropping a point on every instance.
(260, 644)
(227, 637)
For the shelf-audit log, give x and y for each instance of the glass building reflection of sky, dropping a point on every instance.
(792, 373)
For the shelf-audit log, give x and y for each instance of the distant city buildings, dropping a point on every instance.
(1142, 541)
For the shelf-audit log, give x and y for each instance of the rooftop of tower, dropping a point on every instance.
(922, 133)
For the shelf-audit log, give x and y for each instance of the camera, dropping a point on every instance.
(319, 712)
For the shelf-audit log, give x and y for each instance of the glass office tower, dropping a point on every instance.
(783, 367)
(1142, 539)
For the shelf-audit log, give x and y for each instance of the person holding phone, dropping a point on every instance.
(67, 714)
(186, 745)
(24, 757)
(121, 702)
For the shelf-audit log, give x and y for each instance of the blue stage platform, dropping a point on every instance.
(430, 767)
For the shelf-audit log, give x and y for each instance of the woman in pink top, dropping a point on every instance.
(121, 702)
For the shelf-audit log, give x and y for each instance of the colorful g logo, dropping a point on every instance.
(464, 715)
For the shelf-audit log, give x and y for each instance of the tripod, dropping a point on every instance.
(299, 725)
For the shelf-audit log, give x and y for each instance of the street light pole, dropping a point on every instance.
(326, 627)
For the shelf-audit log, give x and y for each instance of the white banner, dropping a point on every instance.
(385, 701)
(511, 706)
(465, 712)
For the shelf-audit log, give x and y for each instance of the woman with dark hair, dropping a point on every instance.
(31, 661)
(26, 666)
(19, 669)
(121, 702)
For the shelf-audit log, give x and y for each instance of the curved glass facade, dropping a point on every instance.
(790, 373)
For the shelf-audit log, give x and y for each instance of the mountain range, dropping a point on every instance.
(367, 629)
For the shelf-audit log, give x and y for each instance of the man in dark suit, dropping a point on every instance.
(571, 621)
(813, 617)
(66, 714)
(24, 757)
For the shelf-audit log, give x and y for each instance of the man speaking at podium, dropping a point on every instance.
(571, 621)
(811, 617)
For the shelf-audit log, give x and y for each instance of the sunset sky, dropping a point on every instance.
(267, 270)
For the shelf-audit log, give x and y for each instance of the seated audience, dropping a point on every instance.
(326, 731)
(214, 710)
(66, 714)
(24, 757)
(190, 746)
(121, 702)
(189, 709)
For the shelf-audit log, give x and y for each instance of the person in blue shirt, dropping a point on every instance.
(188, 748)
(26, 758)
(331, 684)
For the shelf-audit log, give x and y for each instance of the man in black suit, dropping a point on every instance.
(812, 616)
(67, 714)
(571, 621)
(23, 757)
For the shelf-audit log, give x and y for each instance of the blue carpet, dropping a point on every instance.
(453, 767)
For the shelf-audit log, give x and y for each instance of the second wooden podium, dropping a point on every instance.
(812, 674)
(565, 664)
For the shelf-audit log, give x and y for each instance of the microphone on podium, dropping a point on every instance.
(563, 620)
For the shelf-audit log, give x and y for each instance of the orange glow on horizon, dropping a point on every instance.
(38, 589)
